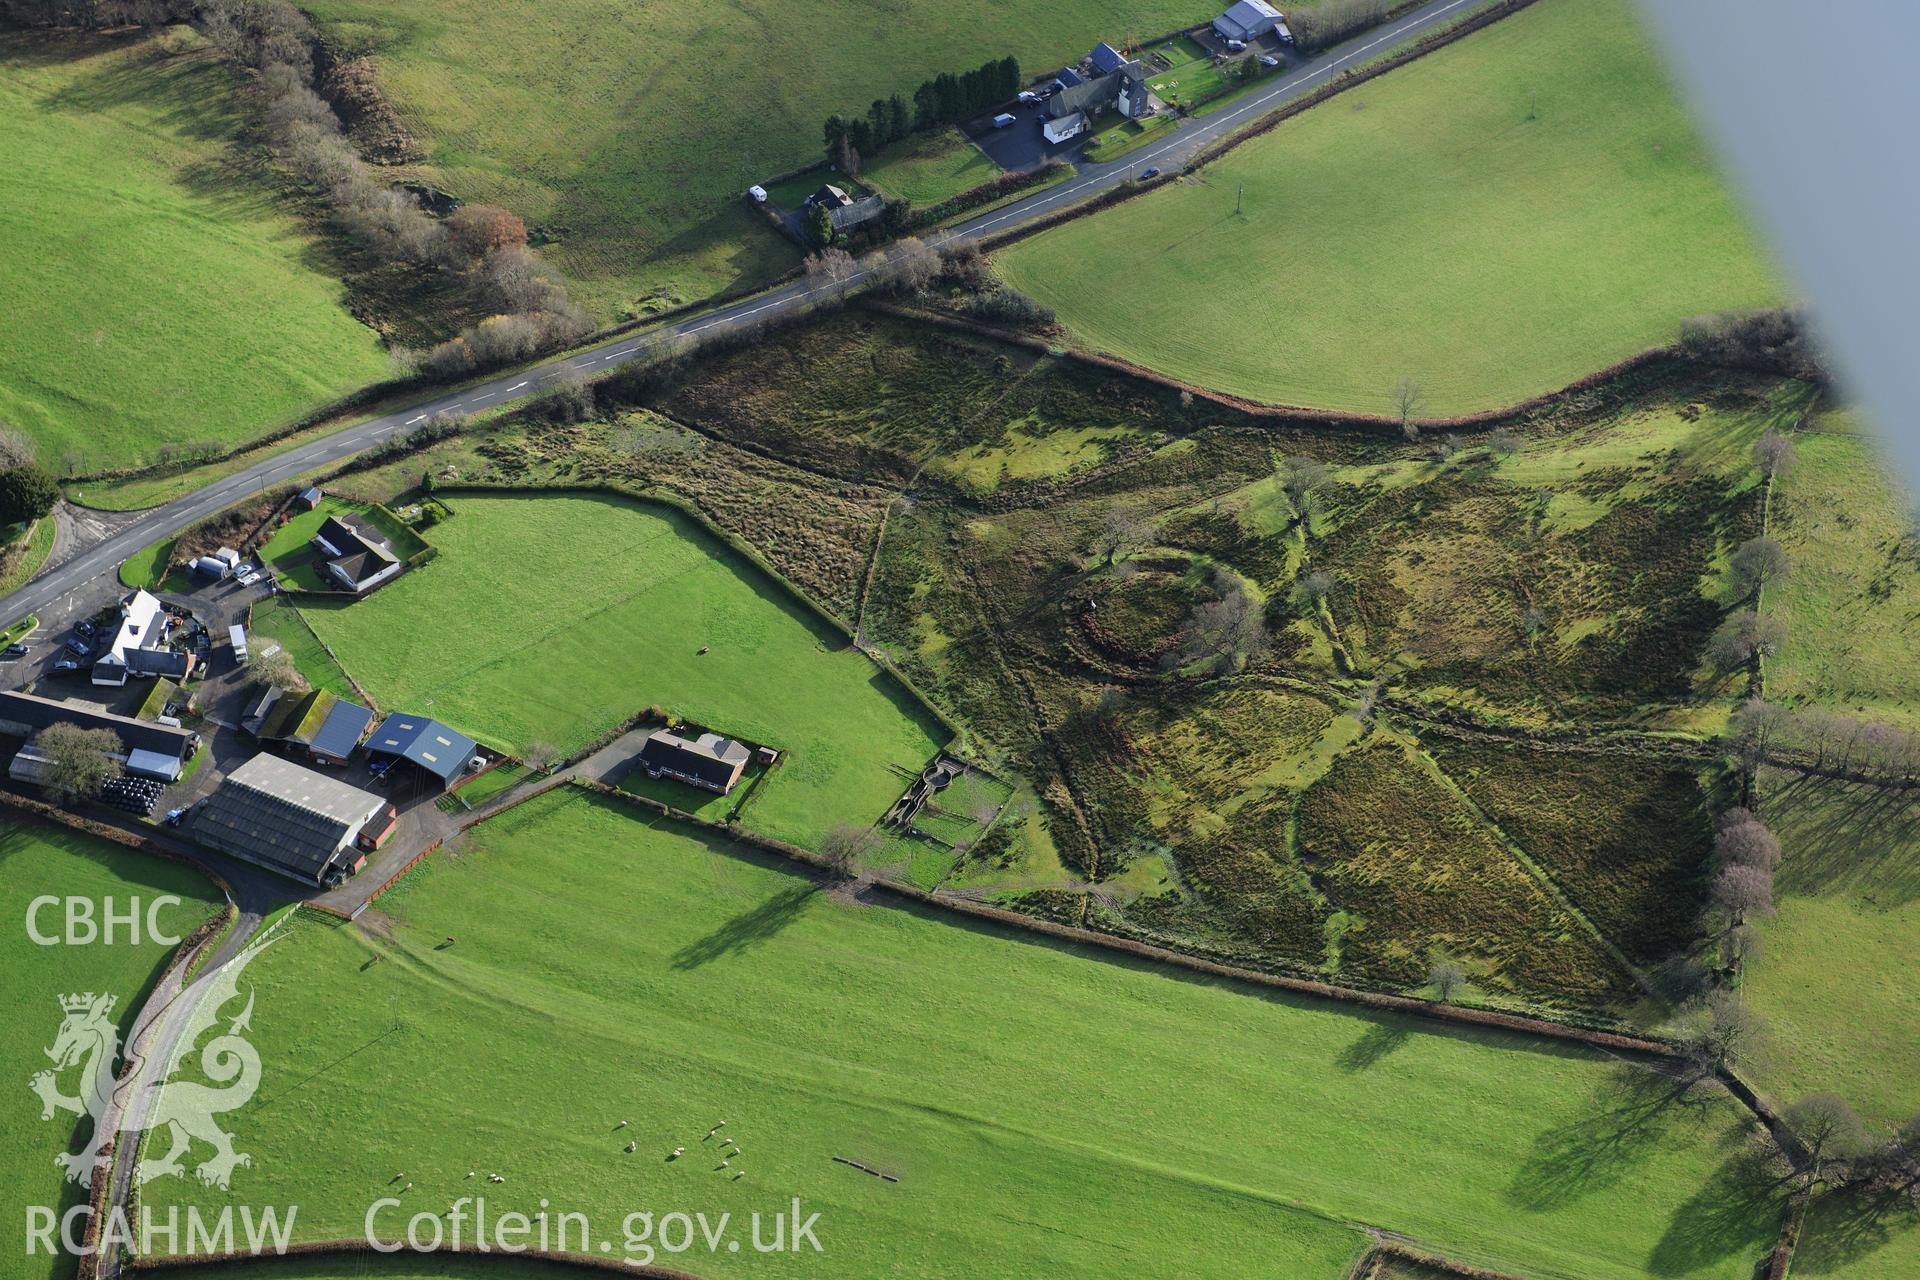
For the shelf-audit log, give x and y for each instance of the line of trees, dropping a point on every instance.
(1828, 740)
(945, 99)
(484, 246)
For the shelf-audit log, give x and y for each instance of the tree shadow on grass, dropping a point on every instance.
(1379, 1040)
(1630, 1116)
(749, 929)
(1847, 1227)
(1736, 1214)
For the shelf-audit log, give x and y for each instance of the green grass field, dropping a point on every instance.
(1493, 221)
(1854, 590)
(1047, 1110)
(630, 145)
(37, 861)
(614, 622)
(1834, 979)
(119, 165)
(930, 167)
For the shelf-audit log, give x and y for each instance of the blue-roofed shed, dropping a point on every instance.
(1068, 77)
(345, 725)
(424, 743)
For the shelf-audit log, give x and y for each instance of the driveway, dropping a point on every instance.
(1020, 145)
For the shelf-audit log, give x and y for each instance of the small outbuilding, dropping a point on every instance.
(324, 727)
(1248, 20)
(710, 761)
(309, 499)
(829, 197)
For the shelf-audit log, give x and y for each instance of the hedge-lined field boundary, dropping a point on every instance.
(1613, 1042)
(1293, 414)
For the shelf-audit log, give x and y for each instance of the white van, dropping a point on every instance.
(1002, 120)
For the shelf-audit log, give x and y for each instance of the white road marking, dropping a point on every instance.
(421, 418)
(516, 386)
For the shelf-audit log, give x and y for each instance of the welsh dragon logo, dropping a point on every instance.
(149, 1098)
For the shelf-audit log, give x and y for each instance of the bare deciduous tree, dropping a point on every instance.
(1754, 725)
(1828, 1130)
(1447, 979)
(1407, 399)
(910, 265)
(1300, 478)
(843, 846)
(1719, 1031)
(832, 270)
(540, 756)
(16, 446)
(1503, 442)
(77, 760)
(1744, 636)
(1741, 893)
(1312, 588)
(1773, 453)
(1756, 562)
(1228, 629)
(1120, 535)
(276, 671)
(1748, 844)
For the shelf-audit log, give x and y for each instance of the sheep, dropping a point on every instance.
(623, 1124)
(631, 1145)
(406, 1188)
(469, 1173)
(494, 1177)
(723, 1164)
(677, 1153)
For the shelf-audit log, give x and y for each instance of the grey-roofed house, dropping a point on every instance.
(26, 714)
(1248, 20)
(289, 819)
(324, 726)
(710, 760)
(1124, 91)
(138, 645)
(354, 553)
(425, 743)
(847, 216)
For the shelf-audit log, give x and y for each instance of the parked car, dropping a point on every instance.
(85, 627)
(1150, 173)
(65, 667)
(16, 651)
(1002, 120)
(174, 816)
(1029, 97)
(79, 648)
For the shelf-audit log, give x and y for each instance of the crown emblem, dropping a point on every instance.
(83, 1003)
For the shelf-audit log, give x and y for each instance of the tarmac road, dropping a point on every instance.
(44, 595)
